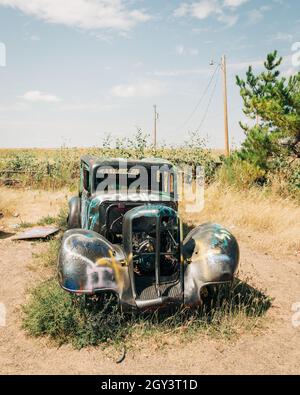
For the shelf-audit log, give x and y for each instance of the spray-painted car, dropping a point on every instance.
(125, 236)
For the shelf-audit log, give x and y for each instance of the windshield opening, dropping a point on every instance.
(135, 179)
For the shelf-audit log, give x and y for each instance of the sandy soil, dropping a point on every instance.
(274, 350)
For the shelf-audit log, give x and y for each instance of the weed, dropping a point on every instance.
(49, 258)
(48, 220)
(25, 225)
(84, 321)
(60, 220)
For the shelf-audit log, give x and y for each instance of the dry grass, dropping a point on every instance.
(29, 204)
(272, 223)
(7, 205)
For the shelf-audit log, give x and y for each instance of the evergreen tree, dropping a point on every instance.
(273, 102)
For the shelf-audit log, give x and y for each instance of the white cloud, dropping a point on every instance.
(265, 8)
(256, 15)
(289, 72)
(34, 37)
(31, 37)
(280, 36)
(182, 10)
(234, 3)
(228, 19)
(141, 89)
(37, 96)
(288, 67)
(205, 8)
(182, 50)
(221, 10)
(85, 14)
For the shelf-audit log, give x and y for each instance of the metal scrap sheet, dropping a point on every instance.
(38, 232)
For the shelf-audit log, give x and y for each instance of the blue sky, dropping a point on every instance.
(77, 70)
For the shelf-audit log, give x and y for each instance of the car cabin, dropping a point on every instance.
(120, 175)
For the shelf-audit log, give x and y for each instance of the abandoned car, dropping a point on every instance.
(125, 236)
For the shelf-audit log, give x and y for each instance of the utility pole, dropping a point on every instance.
(155, 126)
(223, 67)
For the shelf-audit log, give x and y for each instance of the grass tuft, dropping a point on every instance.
(71, 319)
(25, 225)
(48, 220)
(60, 220)
(82, 321)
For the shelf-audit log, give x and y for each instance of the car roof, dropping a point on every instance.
(94, 161)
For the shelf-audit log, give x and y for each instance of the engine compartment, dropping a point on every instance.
(153, 237)
(145, 245)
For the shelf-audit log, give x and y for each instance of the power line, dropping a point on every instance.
(208, 104)
(201, 98)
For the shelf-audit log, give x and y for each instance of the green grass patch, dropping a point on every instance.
(25, 225)
(48, 220)
(70, 319)
(60, 220)
(49, 258)
(81, 321)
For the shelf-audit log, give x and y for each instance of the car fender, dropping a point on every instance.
(88, 263)
(211, 254)
(74, 217)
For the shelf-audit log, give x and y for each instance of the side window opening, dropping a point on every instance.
(86, 179)
(171, 183)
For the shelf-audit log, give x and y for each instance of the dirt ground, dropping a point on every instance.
(273, 350)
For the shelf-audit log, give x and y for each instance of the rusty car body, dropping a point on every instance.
(130, 241)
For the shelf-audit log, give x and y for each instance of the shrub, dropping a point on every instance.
(294, 179)
(66, 318)
(240, 174)
(60, 168)
(83, 321)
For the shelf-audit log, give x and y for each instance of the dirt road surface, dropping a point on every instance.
(274, 350)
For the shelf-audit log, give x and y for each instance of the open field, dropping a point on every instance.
(268, 232)
(50, 152)
(57, 168)
(269, 223)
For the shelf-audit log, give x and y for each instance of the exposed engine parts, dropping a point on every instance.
(144, 250)
(143, 253)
